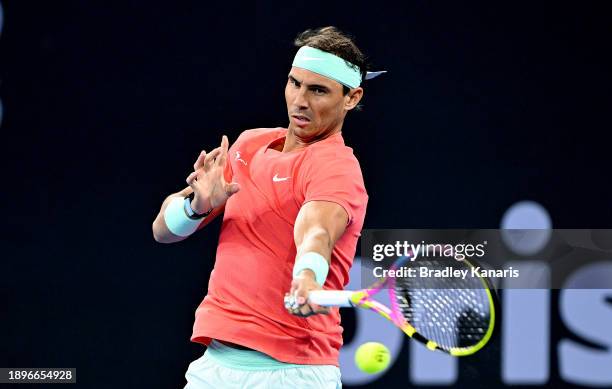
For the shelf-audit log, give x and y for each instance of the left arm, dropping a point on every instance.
(318, 226)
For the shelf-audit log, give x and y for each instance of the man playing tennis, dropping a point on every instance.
(294, 202)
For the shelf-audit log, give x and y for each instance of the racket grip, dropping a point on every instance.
(331, 298)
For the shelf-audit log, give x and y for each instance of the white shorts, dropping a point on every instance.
(208, 373)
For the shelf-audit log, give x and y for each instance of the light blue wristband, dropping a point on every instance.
(177, 220)
(315, 262)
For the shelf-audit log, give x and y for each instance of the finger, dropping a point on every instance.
(294, 286)
(192, 178)
(301, 295)
(224, 146)
(295, 310)
(319, 309)
(305, 310)
(232, 188)
(311, 309)
(211, 157)
(295, 304)
(199, 163)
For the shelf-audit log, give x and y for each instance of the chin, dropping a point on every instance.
(304, 132)
(299, 130)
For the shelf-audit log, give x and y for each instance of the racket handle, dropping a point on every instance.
(331, 298)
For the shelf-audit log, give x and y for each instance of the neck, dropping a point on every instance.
(294, 142)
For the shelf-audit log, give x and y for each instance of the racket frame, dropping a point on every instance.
(363, 299)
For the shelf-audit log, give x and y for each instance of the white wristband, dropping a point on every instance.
(315, 262)
(177, 220)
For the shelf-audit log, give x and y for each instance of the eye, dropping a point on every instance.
(293, 82)
(319, 91)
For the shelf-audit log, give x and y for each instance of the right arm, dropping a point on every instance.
(210, 189)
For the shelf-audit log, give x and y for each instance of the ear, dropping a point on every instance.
(353, 98)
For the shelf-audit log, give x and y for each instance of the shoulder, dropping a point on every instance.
(333, 155)
(260, 134)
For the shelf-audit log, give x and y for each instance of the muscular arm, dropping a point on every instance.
(317, 228)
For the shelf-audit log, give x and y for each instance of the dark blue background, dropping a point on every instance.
(106, 106)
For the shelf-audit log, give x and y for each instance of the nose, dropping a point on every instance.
(299, 100)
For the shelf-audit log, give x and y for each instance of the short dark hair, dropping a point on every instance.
(334, 41)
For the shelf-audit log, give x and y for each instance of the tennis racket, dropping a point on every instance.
(450, 314)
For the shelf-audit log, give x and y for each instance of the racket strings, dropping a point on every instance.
(453, 312)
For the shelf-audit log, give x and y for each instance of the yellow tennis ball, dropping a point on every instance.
(372, 357)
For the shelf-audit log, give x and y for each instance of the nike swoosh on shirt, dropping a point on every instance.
(276, 178)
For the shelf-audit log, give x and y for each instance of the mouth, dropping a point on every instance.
(300, 120)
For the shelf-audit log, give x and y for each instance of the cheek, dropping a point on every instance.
(324, 112)
(331, 112)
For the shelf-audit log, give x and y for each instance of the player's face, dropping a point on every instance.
(315, 104)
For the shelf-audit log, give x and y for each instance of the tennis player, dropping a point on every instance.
(293, 203)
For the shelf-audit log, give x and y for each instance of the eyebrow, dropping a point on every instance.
(311, 86)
